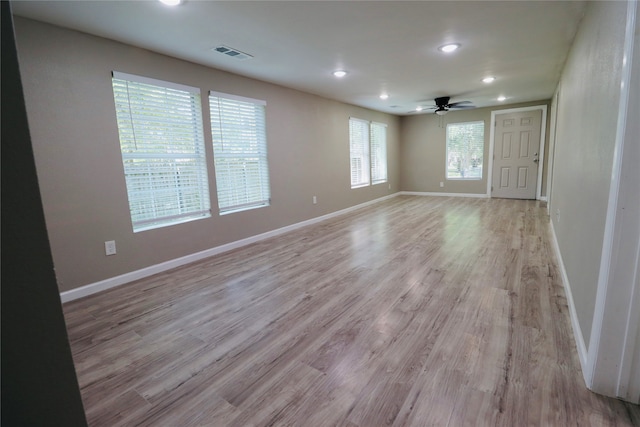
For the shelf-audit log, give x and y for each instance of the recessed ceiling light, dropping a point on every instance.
(488, 79)
(384, 96)
(501, 98)
(418, 108)
(448, 48)
(339, 73)
(171, 2)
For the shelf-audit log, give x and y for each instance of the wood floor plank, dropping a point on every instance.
(271, 405)
(416, 311)
(126, 404)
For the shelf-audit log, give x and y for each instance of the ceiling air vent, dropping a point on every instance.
(234, 53)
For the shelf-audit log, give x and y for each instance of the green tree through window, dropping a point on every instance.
(465, 150)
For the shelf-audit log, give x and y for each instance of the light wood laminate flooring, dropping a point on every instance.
(415, 311)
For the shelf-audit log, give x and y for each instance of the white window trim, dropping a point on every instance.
(237, 98)
(155, 82)
(199, 147)
(370, 181)
(447, 152)
(386, 169)
(252, 205)
(365, 155)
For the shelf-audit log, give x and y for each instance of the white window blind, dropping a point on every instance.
(368, 151)
(359, 149)
(240, 152)
(378, 153)
(162, 145)
(465, 150)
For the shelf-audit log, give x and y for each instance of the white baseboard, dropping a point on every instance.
(575, 324)
(419, 193)
(543, 198)
(122, 279)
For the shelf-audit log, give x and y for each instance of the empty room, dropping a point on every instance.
(320, 213)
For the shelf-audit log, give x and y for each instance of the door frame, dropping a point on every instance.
(553, 125)
(614, 343)
(543, 133)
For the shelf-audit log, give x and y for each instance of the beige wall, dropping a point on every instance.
(67, 84)
(423, 150)
(587, 113)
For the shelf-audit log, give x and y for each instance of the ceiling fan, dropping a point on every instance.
(442, 105)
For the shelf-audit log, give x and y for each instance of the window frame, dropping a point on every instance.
(447, 149)
(359, 152)
(368, 152)
(378, 152)
(254, 149)
(166, 169)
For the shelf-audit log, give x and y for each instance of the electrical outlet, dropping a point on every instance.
(110, 247)
(315, 200)
(558, 215)
(441, 184)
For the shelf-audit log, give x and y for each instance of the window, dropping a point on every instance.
(239, 152)
(359, 147)
(368, 152)
(465, 148)
(162, 145)
(378, 153)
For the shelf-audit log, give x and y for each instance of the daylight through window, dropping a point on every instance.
(368, 152)
(239, 152)
(359, 149)
(162, 145)
(378, 153)
(465, 149)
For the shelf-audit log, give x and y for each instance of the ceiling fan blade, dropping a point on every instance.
(455, 104)
(462, 107)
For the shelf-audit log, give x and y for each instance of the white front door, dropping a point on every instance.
(516, 155)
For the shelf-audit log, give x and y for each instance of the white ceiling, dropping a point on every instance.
(386, 46)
